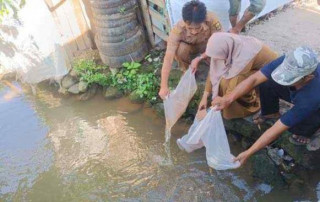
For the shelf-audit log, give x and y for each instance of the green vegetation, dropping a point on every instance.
(126, 79)
(148, 86)
(122, 10)
(91, 73)
(129, 79)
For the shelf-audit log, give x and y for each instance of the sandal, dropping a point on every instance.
(259, 118)
(299, 140)
(314, 144)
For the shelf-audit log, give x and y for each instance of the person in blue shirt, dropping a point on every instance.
(294, 77)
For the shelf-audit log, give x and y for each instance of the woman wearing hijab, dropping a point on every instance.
(233, 59)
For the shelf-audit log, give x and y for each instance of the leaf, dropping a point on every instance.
(126, 64)
(136, 65)
(148, 56)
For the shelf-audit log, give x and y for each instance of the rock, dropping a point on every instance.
(135, 98)
(74, 89)
(246, 142)
(287, 167)
(274, 155)
(280, 153)
(297, 186)
(83, 86)
(235, 137)
(9, 76)
(73, 73)
(264, 169)
(112, 93)
(242, 127)
(159, 108)
(68, 81)
(89, 94)
(287, 158)
(54, 83)
(300, 154)
(63, 91)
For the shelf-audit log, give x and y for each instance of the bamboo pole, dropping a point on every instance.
(147, 21)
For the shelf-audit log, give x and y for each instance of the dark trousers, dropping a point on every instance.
(271, 92)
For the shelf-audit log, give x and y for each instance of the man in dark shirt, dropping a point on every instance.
(294, 77)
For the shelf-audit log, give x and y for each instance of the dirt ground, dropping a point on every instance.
(292, 27)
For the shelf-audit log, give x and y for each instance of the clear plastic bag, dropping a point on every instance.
(210, 132)
(177, 101)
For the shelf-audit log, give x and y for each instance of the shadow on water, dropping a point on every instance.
(61, 149)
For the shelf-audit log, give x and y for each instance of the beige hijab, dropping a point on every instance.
(230, 53)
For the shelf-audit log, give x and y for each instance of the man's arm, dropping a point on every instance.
(172, 46)
(166, 68)
(267, 137)
(243, 88)
(195, 62)
(165, 72)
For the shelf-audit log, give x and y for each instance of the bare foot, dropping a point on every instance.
(299, 140)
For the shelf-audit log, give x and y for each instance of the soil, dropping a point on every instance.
(292, 27)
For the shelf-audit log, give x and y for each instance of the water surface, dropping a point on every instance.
(56, 148)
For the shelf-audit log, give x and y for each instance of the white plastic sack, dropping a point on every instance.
(210, 133)
(177, 101)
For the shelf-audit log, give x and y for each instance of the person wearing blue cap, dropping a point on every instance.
(294, 77)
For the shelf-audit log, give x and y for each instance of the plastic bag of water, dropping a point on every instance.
(177, 101)
(211, 134)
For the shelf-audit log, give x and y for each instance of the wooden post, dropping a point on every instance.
(82, 23)
(147, 21)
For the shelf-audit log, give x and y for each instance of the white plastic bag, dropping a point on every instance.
(177, 101)
(210, 133)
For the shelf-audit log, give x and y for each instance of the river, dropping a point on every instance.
(56, 148)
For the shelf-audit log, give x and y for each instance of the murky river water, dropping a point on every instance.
(55, 148)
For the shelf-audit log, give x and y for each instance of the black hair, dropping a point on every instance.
(194, 12)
